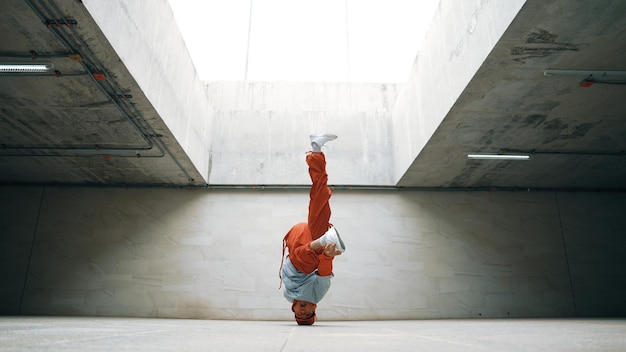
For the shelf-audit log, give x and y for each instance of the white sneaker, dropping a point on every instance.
(332, 236)
(318, 141)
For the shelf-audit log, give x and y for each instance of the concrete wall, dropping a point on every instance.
(262, 129)
(461, 36)
(254, 132)
(147, 40)
(247, 132)
(215, 254)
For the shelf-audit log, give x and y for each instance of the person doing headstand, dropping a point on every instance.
(312, 245)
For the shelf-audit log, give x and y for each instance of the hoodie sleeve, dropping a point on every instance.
(325, 267)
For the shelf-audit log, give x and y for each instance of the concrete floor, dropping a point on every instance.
(132, 334)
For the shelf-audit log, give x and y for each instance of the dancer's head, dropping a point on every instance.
(304, 312)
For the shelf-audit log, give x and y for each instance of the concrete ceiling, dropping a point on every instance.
(577, 135)
(74, 127)
(89, 123)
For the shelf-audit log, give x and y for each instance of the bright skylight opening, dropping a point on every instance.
(304, 40)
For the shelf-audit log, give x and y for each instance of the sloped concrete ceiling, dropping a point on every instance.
(85, 122)
(576, 135)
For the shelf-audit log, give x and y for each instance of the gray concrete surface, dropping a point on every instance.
(460, 38)
(132, 334)
(154, 52)
(266, 125)
(477, 85)
(215, 254)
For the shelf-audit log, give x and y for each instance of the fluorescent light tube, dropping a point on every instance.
(25, 68)
(493, 156)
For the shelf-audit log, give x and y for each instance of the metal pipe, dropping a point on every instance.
(35, 56)
(150, 132)
(127, 109)
(42, 74)
(71, 151)
(117, 91)
(556, 152)
(348, 188)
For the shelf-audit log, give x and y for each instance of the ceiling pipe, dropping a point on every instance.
(90, 60)
(53, 74)
(306, 188)
(590, 77)
(514, 154)
(34, 55)
(90, 64)
(575, 153)
(117, 91)
(73, 151)
(358, 188)
(83, 55)
(151, 134)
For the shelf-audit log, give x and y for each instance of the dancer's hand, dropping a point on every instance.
(331, 250)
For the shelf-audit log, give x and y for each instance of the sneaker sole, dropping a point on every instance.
(340, 244)
(330, 136)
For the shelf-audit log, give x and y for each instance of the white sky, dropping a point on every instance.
(304, 40)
